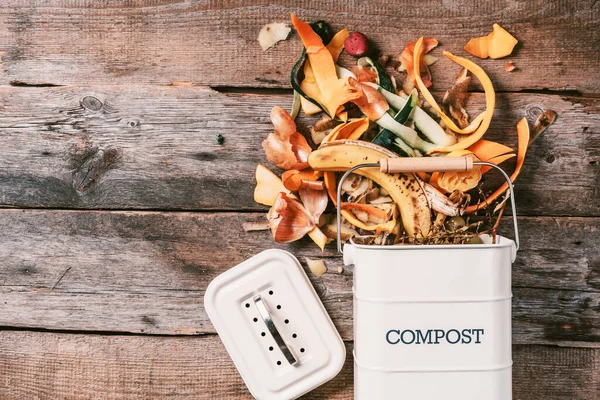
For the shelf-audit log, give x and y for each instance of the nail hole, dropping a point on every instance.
(271, 348)
(287, 321)
(278, 362)
(278, 307)
(255, 319)
(294, 336)
(262, 334)
(247, 305)
(270, 292)
(302, 350)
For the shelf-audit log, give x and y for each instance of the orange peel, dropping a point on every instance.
(497, 44)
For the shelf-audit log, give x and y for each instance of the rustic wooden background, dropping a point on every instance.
(118, 206)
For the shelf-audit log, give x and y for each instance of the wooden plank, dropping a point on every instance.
(154, 148)
(544, 372)
(146, 272)
(86, 42)
(74, 366)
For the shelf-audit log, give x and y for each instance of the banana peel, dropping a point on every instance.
(405, 189)
(350, 130)
(331, 186)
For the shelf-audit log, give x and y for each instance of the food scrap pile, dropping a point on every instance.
(367, 117)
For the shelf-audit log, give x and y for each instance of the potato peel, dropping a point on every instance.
(273, 33)
(455, 99)
(490, 103)
(471, 66)
(317, 267)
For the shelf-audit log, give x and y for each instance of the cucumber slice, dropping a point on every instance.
(407, 110)
(408, 135)
(423, 121)
(389, 140)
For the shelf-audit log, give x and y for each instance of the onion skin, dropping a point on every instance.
(288, 219)
(287, 153)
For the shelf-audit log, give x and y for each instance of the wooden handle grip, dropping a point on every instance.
(426, 164)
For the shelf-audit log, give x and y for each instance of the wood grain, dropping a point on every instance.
(73, 366)
(146, 272)
(155, 148)
(135, 127)
(214, 43)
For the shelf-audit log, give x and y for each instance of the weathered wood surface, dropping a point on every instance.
(146, 272)
(154, 148)
(145, 145)
(73, 366)
(214, 43)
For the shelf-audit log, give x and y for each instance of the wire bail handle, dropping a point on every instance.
(424, 164)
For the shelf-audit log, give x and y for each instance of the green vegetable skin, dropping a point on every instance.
(389, 140)
(427, 125)
(406, 134)
(408, 139)
(423, 122)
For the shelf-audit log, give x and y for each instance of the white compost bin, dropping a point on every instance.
(432, 322)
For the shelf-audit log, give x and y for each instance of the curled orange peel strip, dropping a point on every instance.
(523, 133)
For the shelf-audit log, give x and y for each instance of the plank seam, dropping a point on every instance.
(252, 90)
(232, 211)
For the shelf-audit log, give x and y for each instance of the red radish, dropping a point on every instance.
(357, 44)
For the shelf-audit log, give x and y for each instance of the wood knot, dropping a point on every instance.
(533, 111)
(149, 320)
(89, 164)
(91, 103)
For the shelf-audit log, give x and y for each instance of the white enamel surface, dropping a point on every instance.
(475, 385)
(225, 303)
(430, 288)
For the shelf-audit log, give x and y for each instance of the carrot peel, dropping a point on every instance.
(490, 103)
(523, 133)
